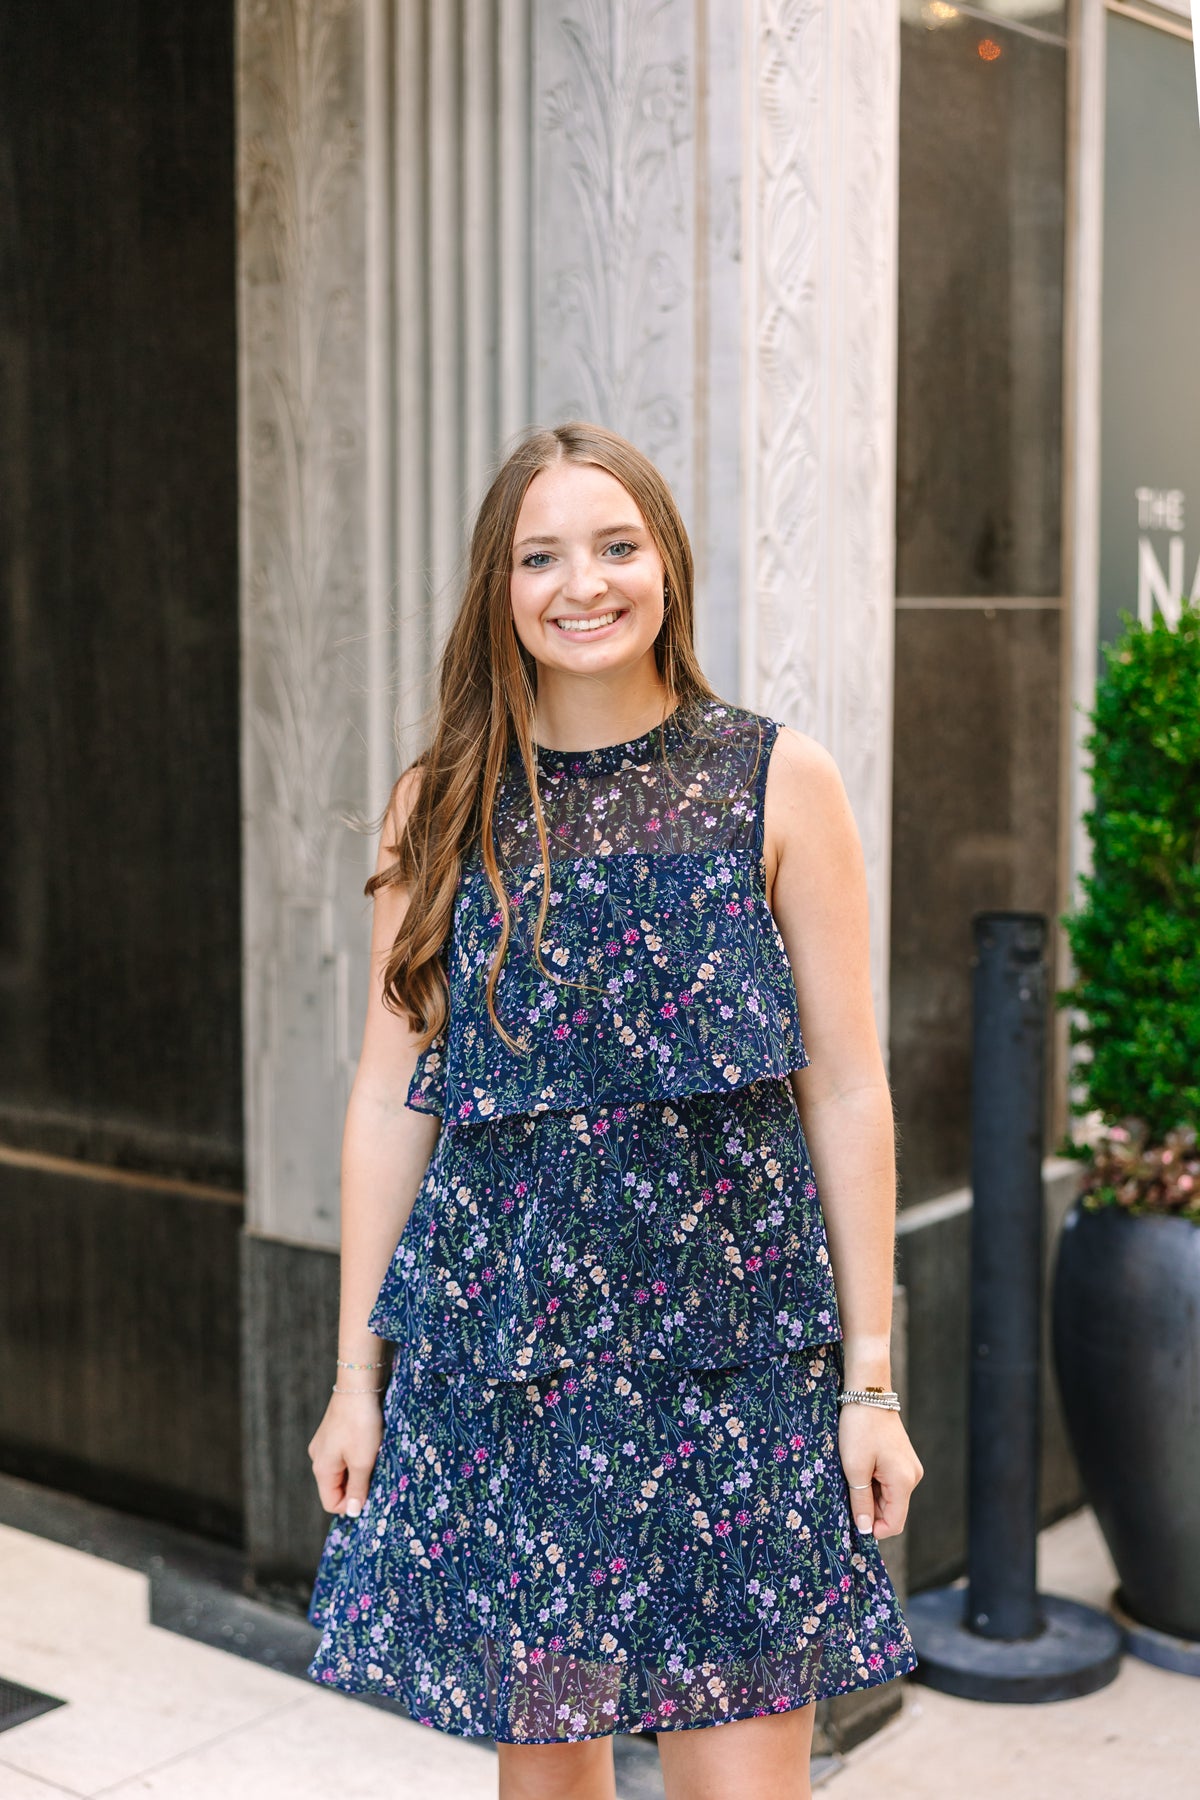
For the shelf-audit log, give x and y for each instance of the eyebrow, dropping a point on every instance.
(605, 531)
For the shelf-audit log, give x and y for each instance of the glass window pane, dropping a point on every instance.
(982, 172)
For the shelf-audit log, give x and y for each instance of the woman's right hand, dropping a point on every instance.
(343, 1450)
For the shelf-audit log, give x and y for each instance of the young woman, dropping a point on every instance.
(629, 1463)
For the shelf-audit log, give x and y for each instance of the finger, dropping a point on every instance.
(358, 1483)
(862, 1496)
(331, 1486)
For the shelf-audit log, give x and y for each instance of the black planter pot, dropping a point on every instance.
(1126, 1334)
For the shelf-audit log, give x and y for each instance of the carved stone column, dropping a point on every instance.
(820, 266)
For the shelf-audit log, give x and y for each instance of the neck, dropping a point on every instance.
(586, 712)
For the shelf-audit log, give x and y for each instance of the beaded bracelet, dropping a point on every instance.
(354, 1365)
(889, 1400)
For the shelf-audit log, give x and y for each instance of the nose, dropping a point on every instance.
(584, 581)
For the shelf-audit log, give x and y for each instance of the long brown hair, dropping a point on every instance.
(487, 686)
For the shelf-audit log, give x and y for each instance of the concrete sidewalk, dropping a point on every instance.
(156, 1714)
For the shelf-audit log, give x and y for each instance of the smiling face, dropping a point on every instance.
(587, 579)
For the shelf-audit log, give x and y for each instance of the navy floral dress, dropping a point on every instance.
(609, 1496)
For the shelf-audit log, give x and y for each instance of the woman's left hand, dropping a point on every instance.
(875, 1450)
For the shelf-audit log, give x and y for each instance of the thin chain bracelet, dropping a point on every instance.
(335, 1389)
(890, 1401)
(353, 1365)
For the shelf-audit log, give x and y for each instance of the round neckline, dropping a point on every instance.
(605, 757)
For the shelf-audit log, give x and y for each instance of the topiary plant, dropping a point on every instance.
(1135, 938)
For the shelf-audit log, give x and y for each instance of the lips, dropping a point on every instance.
(581, 627)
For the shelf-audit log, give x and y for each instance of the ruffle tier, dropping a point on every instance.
(685, 1230)
(607, 1551)
(671, 978)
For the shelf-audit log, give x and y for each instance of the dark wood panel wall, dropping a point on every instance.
(120, 1011)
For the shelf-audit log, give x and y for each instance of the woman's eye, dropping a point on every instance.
(527, 561)
(623, 545)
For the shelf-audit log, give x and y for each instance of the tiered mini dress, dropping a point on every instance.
(609, 1496)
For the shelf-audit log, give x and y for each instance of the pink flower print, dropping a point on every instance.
(597, 1577)
(875, 1661)
(562, 1031)
(686, 1448)
(685, 999)
(489, 1274)
(666, 1708)
(514, 1580)
(435, 1550)
(553, 1397)
(540, 1321)
(844, 1584)
(641, 1295)
(892, 1649)
(617, 1565)
(653, 824)
(668, 1010)
(753, 1263)
(780, 1703)
(600, 1126)
(732, 907)
(620, 1114)
(830, 1596)
(772, 1252)
(580, 1017)
(706, 1194)
(668, 1460)
(521, 1189)
(570, 1386)
(467, 1107)
(612, 948)
(779, 1452)
(722, 1528)
(537, 1656)
(797, 1442)
(507, 1205)
(724, 1185)
(743, 1517)
(809, 1190)
(557, 1643)
(647, 1718)
(495, 919)
(659, 1286)
(630, 936)
(473, 1288)
(552, 1306)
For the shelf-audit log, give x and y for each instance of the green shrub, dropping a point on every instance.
(1135, 937)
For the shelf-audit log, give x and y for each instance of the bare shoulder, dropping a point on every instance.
(401, 801)
(805, 803)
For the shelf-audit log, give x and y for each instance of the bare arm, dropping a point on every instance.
(386, 1146)
(817, 887)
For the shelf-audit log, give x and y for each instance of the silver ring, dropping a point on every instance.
(858, 1484)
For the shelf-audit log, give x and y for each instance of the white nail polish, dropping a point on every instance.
(353, 1508)
(864, 1521)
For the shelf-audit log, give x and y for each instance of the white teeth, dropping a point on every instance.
(595, 624)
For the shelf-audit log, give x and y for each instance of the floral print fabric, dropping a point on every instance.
(607, 1550)
(609, 1496)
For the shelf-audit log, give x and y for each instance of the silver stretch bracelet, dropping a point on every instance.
(889, 1400)
(335, 1389)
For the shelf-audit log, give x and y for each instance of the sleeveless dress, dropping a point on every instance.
(609, 1496)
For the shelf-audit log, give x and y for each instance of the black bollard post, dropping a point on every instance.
(997, 1638)
(1008, 1064)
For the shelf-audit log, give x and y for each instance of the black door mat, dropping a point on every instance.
(17, 1703)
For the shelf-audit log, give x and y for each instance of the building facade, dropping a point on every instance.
(848, 272)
